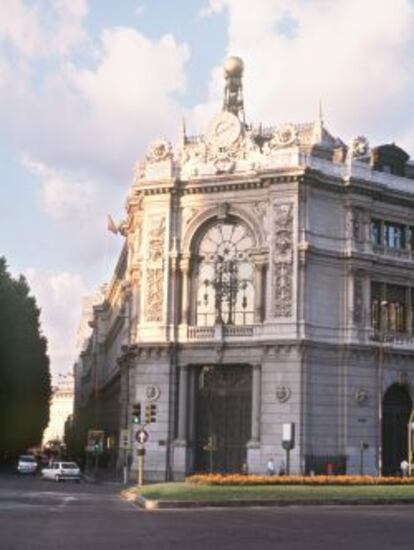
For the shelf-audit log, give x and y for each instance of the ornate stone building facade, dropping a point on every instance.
(266, 278)
(61, 409)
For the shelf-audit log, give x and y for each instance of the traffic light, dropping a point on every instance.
(136, 413)
(150, 413)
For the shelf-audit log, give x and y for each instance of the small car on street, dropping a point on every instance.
(27, 464)
(59, 471)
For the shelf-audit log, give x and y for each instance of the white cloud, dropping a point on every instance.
(355, 55)
(79, 206)
(51, 29)
(63, 196)
(82, 127)
(19, 26)
(131, 92)
(58, 294)
(99, 118)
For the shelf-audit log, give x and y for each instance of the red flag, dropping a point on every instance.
(111, 225)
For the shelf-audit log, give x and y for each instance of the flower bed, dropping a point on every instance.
(239, 479)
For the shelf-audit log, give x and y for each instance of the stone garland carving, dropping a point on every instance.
(285, 136)
(358, 300)
(222, 157)
(283, 260)
(154, 271)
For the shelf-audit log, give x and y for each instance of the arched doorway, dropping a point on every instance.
(396, 409)
(223, 417)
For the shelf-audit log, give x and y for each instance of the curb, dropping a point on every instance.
(152, 504)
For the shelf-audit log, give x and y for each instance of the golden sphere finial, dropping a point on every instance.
(233, 66)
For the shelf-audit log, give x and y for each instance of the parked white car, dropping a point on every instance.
(59, 471)
(27, 464)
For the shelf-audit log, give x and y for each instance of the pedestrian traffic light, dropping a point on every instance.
(150, 413)
(136, 413)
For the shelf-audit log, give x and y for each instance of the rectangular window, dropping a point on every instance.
(395, 308)
(388, 309)
(375, 231)
(410, 238)
(394, 235)
(376, 290)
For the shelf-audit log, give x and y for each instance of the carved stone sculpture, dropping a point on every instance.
(154, 271)
(283, 260)
(159, 150)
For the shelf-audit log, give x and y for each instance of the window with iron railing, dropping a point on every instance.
(388, 308)
(225, 292)
(390, 234)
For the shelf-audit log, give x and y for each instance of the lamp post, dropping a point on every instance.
(226, 284)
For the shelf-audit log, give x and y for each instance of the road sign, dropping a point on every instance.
(124, 440)
(142, 436)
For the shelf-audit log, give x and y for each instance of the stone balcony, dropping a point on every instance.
(218, 332)
(398, 340)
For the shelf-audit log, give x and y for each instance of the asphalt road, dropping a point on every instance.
(36, 514)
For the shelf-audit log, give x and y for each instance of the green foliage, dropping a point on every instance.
(294, 493)
(24, 367)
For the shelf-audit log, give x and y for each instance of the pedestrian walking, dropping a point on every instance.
(271, 468)
(404, 467)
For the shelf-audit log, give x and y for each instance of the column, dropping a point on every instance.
(409, 311)
(182, 402)
(258, 293)
(185, 270)
(173, 294)
(256, 396)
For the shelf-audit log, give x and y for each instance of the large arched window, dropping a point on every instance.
(225, 275)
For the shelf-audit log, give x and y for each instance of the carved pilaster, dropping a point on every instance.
(358, 309)
(154, 270)
(185, 272)
(283, 260)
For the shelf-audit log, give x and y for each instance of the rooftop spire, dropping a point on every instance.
(320, 112)
(233, 89)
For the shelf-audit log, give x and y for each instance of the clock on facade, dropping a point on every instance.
(223, 130)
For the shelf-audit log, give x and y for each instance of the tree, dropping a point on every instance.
(25, 387)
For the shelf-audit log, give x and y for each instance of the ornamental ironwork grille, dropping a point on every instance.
(225, 292)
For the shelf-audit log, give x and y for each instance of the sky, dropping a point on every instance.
(86, 85)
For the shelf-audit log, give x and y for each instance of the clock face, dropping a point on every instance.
(223, 130)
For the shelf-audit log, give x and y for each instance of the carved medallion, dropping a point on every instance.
(285, 135)
(283, 393)
(361, 396)
(159, 150)
(152, 392)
